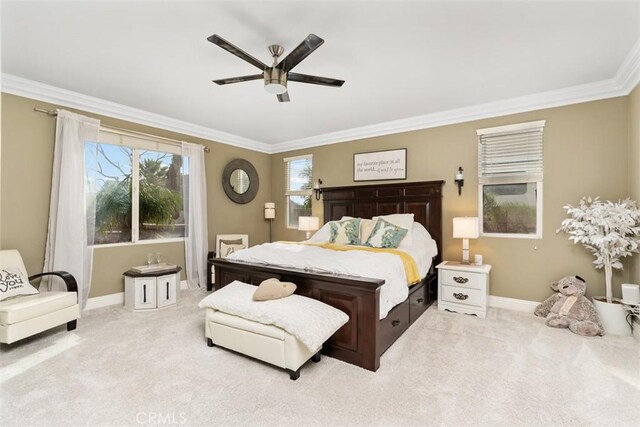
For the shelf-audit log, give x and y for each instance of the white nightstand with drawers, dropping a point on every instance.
(463, 287)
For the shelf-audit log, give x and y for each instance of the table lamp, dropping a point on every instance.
(308, 224)
(465, 228)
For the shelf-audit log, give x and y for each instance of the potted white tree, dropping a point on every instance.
(610, 231)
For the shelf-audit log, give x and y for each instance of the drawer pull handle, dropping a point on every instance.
(167, 291)
(395, 323)
(460, 296)
(420, 300)
(144, 293)
(458, 279)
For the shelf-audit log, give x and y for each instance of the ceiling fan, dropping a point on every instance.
(277, 76)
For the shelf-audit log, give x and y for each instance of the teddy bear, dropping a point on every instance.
(569, 308)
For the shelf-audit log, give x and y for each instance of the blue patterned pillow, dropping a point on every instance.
(345, 232)
(386, 235)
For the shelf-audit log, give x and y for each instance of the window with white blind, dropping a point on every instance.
(510, 171)
(298, 173)
(135, 188)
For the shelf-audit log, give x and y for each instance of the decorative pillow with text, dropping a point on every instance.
(13, 283)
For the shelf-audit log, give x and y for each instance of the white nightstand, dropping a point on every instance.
(463, 287)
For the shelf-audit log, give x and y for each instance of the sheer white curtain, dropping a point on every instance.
(196, 241)
(71, 219)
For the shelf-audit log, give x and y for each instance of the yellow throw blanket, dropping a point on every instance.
(410, 266)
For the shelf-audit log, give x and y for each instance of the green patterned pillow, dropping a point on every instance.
(386, 235)
(345, 232)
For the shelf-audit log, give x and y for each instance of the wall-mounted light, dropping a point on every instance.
(270, 214)
(459, 180)
(317, 189)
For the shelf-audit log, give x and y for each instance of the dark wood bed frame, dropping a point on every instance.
(363, 339)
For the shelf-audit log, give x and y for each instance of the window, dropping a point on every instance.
(298, 188)
(135, 189)
(510, 180)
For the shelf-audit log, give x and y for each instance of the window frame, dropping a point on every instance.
(288, 193)
(538, 180)
(136, 143)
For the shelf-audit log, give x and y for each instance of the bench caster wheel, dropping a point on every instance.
(316, 357)
(210, 343)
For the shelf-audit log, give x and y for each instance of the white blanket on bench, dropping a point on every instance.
(311, 321)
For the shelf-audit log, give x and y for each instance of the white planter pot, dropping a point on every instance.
(613, 317)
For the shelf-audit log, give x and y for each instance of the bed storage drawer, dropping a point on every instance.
(462, 295)
(392, 326)
(418, 301)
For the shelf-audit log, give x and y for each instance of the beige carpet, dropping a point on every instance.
(123, 368)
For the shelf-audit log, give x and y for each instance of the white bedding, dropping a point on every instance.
(374, 265)
(310, 321)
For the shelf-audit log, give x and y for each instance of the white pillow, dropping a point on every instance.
(420, 237)
(321, 236)
(401, 220)
(13, 283)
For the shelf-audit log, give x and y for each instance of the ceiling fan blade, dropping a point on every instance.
(217, 40)
(304, 49)
(238, 79)
(315, 80)
(283, 97)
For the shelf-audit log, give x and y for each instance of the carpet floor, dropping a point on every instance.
(124, 368)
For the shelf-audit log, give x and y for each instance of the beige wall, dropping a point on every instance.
(27, 155)
(585, 153)
(634, 167)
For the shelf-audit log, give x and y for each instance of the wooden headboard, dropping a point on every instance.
(422, 199)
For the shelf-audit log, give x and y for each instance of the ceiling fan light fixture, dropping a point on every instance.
(275, 81)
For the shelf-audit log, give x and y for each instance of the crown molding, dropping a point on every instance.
(625, 80)
(43, 92)
(628, 75)
(573, 95)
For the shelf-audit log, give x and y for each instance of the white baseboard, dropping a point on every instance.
(106, 300)
(512, 304)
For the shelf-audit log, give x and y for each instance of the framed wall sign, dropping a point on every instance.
(380, 165)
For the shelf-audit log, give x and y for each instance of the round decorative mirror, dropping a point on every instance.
(240, 181)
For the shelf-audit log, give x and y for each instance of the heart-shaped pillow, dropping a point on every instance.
(273, 289)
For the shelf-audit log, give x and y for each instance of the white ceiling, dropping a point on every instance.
(399, 59)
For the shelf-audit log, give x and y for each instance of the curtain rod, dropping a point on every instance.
(54, 113)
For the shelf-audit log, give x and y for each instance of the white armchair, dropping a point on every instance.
(26, 315)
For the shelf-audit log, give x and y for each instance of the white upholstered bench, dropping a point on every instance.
(284, 332)
(263, 342)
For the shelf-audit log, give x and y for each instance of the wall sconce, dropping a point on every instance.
(270, 214)
(317, 189)
(459, 180)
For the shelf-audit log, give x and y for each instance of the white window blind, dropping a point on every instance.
(512, 153)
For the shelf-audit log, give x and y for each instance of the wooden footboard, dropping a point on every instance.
(358, 341)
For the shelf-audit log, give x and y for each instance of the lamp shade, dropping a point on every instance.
(308, 223)
(466, 228)
(269, 210)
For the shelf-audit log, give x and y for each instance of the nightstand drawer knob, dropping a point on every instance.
(420, 300)
(459, 279)
(460, 296)
(395, 323)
